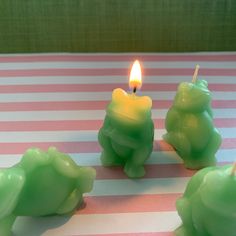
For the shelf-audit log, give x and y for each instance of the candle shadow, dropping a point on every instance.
(37, 226)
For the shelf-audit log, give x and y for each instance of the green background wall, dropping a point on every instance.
(117, 25)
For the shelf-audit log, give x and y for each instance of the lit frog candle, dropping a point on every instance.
(208, 206)
(189, 125)
(127, 132)
(42, 183)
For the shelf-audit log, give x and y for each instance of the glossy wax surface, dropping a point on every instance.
(208, 206)
(127, 133)
(42, 183)
(189, 125)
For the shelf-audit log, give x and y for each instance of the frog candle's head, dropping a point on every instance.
(129, 111)
(193, 97)
(218, 192)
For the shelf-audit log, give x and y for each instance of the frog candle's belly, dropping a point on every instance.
(198, 129)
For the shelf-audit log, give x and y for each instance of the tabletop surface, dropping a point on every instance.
(60, 100)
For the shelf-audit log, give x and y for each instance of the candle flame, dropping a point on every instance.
(135, 79)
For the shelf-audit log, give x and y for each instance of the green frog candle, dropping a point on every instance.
(189, 125)
(42, 183)
(208, 206)
(128, 131)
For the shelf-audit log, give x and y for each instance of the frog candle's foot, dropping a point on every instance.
(71, 203)
(207, 156)
(182, 231)
(133, 171)
(85, 179)
(199, 162)
(134, 167)
(110, 159)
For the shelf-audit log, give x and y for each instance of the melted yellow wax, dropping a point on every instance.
(130, 107)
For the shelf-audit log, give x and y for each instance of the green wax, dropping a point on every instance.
(42, 183)
(127, 133)
(208, 206)
(189, 125)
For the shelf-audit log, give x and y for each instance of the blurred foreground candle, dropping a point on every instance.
(42, 183)
(208, 206)
(189, 125)
(127, 132)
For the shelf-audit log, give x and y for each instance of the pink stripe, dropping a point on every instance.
(88, 147)
(118, 57)
(129, 204)
(53, 106)
(53, 88)
(225, 122)
(57, 125)
(218, 122)
(152, 171)
(161, 145)
(91, 105)
(222, 87)
(224, 104)
(116, 72)
(67, 147)
(50, 125)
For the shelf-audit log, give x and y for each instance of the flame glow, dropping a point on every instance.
(135, 79)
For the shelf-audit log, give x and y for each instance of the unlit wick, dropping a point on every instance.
(195, 74)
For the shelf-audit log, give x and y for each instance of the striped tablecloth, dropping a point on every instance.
(60, 100)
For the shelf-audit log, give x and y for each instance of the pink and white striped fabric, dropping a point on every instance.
(60, 100)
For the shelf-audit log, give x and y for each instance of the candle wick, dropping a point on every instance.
(195, 74)
(134, 89)
(233, 170)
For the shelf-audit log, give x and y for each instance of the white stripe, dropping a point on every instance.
(109, 79)
(89, 159)
(53, 115)
(93, 159)
(139, 186)
(95, 224)
(96, 96)
(115, 65)
(89, 115)
(53, 136)
(157, 157)
(78, 136)
(224, 113)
